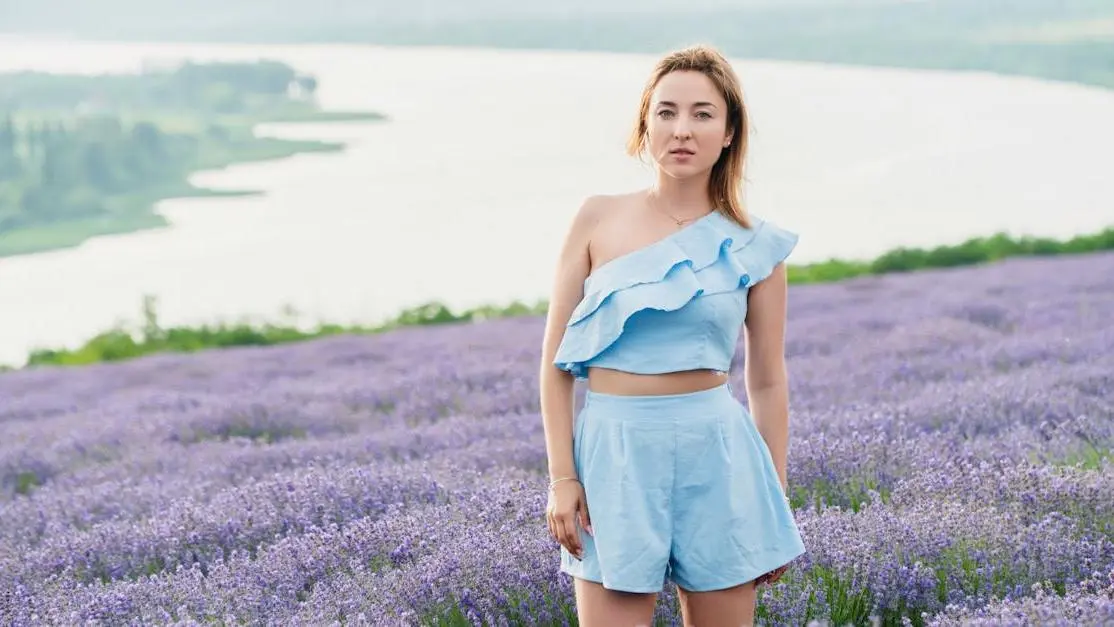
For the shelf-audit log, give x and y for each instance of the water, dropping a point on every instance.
(464, 195)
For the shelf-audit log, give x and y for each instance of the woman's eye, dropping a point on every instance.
(665, 113)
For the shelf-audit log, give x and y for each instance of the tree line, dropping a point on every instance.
(95, 150)
(220, 88)
(57, 171)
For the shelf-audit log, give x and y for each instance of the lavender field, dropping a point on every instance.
(950, 464)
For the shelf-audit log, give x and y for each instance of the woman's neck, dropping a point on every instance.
(682, 198)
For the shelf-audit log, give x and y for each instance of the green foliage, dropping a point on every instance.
(825, 271)
(850, 605)
(82, 156)
(151, 337)
(987, 249)
(973, 251)
(853, 494)
(26, 481)
(212, 88)
(119, 343)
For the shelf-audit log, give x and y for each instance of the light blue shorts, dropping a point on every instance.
(680, 487)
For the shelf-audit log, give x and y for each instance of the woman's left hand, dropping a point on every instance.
(772, 577)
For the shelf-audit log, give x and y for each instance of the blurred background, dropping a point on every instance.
(167, 164)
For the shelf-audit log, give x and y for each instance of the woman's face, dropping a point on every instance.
(686, 124)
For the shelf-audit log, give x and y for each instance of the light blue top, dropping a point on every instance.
(676, 304)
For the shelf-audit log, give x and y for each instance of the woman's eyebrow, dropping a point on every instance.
(670, 103)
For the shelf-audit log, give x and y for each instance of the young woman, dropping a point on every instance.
(664, 473)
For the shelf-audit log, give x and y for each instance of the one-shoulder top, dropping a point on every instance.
(676, 304)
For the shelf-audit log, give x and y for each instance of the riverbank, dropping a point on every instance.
(150, 336)
(84, 156)
(135, 211)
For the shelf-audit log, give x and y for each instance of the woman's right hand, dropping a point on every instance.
(567, 504)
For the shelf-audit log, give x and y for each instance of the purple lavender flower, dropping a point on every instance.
(950, 463)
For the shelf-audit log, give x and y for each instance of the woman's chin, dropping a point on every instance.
(683, 171)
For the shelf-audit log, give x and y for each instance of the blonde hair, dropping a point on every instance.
(725, 183)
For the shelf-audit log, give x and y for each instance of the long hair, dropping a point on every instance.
(725, 183)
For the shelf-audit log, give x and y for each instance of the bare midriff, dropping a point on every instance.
(608, 381)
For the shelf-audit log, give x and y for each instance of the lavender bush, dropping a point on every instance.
(950, 465)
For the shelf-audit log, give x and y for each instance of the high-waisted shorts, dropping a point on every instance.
(679, 487)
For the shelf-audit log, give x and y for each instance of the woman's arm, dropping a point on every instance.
(767, 381)
(567, 502)
(555, 385)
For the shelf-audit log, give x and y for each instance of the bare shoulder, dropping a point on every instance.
(598, 207)
(622, 202)
(574, 257)
(575, 261)
(615, 208)
(596, 217)
(593, 211)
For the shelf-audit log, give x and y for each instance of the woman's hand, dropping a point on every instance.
(772, 577)
(568, 506)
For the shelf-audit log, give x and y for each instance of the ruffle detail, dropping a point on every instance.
(711, 256)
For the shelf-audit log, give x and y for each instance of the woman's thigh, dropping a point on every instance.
(730, 607)
(597, 606)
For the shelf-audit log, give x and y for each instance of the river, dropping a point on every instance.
(464, 194)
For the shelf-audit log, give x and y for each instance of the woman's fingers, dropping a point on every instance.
(778, 574)
(566, 509)
(569, 535)
(585, 520)
(773, 576)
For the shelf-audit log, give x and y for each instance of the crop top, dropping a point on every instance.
(676, 304)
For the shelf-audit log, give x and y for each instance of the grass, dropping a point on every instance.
(853, 494)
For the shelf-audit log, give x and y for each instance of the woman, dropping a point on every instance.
(664, 474)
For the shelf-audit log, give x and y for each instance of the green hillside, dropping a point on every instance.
(1069, 40)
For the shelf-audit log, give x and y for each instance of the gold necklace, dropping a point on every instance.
(675, 219)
